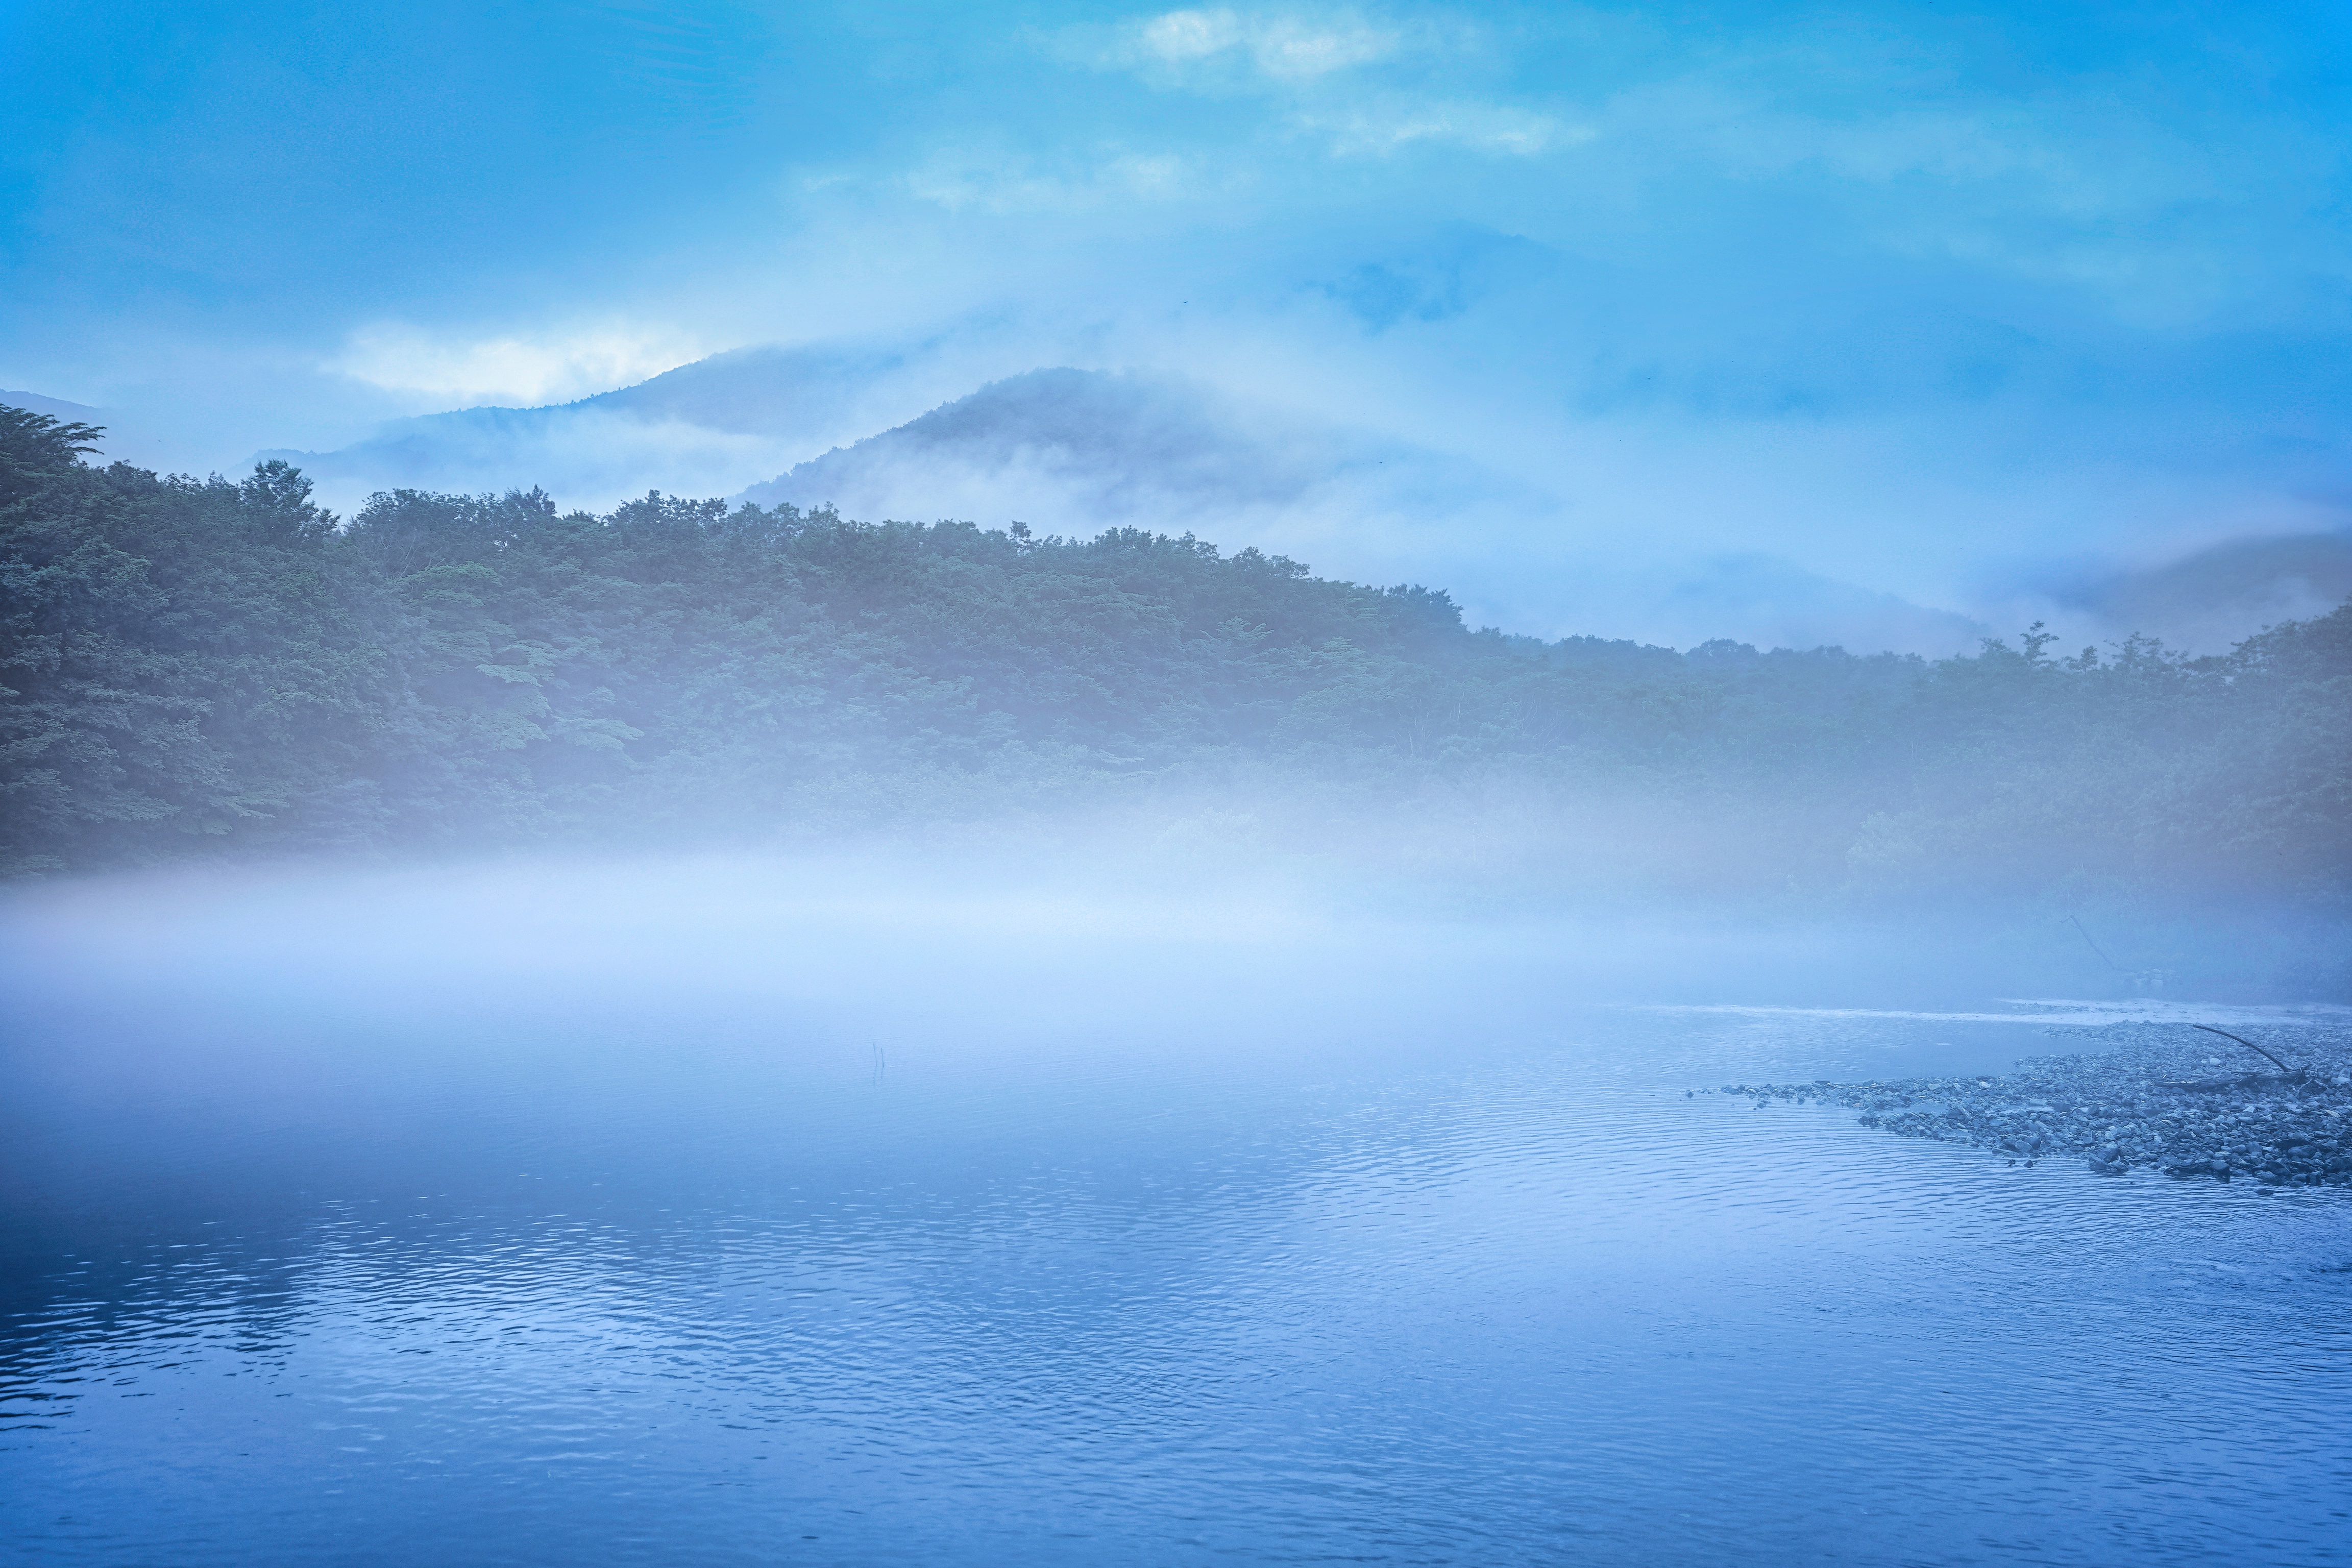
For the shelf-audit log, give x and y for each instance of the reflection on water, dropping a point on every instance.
(997, 1240)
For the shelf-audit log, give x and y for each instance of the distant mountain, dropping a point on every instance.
(711, 425)
(755, 391)
(55, 407)
(1082, 449)
(1776, 604)
(2220, 594)
(128, 438)
(1072, 451)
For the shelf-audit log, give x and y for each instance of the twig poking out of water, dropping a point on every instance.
(2290, 1072)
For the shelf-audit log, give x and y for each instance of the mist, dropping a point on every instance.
(842, 1178)
(963, 1044)
(1549, 513)
(972, 786)
(447, 674)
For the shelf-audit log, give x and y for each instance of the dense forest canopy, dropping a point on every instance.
(199, 667)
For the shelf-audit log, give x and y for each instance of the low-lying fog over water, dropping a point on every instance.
(1349, 781)
(842, 1212)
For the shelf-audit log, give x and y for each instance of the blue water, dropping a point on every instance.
(404, 1222)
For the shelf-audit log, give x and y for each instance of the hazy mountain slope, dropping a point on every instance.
(1072, 451)
(1079, 446)
(126, 439)
(707, 426)
(55, 407)
(2222, 593)
(765, 391)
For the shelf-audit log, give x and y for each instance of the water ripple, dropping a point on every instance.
(1507, 1303)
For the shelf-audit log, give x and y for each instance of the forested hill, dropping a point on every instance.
(207, 668)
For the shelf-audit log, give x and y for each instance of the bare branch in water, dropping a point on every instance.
(2250, 1045)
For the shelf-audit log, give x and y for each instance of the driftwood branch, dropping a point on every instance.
(2290, 1072)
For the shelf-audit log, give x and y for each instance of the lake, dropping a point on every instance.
(776, 1213)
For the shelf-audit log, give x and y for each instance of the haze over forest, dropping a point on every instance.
(1772, 455)
(203, 668)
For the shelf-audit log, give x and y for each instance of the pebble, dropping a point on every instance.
(2154, 1102)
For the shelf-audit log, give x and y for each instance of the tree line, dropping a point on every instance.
(206, 667)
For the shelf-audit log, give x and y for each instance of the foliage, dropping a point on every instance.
(207, 666)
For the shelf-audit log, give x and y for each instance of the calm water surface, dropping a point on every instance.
(394, 1223)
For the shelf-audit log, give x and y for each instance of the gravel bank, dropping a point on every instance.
(2165, 1099)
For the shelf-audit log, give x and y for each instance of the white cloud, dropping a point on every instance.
(1285, 47)
(1182, 36)
(552, 367)
(1380, 130)
(2170, 213)
(967, 179)
(1303, 56)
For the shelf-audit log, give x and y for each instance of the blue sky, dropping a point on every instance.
(1941, 302)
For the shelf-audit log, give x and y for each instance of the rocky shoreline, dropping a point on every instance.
(2165, 1099)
